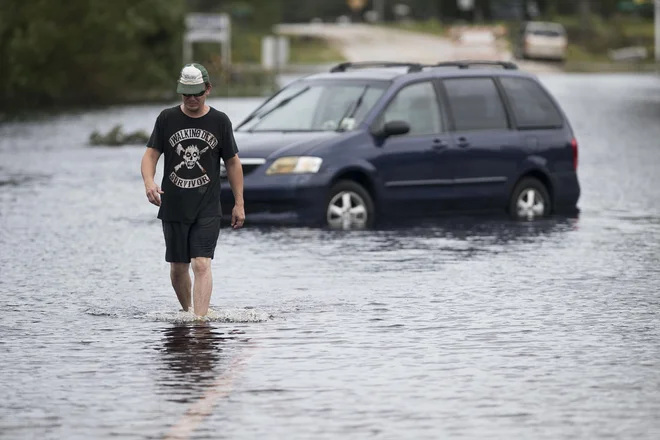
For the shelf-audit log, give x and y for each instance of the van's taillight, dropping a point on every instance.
(574, 147)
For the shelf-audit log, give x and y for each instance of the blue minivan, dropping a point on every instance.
(373, 142)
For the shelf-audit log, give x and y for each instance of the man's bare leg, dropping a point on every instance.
(203, 285)
(180, 276)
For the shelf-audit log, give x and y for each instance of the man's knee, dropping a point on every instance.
(178, 270)
(201, 265)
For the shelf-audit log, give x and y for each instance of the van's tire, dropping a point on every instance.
(530, 200)
(349, 206)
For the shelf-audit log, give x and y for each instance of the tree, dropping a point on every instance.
(86, 51)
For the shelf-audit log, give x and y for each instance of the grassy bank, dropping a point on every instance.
(246, 49)
(431, 26)
(594, 43)
(312, 50)
(588, 50)
(609, 67)
(246, 77)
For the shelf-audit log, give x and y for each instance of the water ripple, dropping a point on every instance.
(460, 328)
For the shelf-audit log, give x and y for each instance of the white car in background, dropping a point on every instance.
(542, 40)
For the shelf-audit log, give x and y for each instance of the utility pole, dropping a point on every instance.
(379, 6)
(657, 31)
(585, 17)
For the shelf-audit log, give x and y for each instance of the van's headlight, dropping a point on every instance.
(295, 165)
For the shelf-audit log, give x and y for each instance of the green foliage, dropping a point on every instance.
(603, 35)
(94, 52)
(310, 50)
(430, 26)
(87, 51)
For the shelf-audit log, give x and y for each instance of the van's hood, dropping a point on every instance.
(276, 143)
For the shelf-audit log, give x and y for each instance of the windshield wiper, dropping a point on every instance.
(352, 108)
(280, 104)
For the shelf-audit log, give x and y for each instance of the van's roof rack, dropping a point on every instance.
(464, 64)
(418, 67)
(412, 67)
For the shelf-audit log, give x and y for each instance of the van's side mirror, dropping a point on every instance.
(392, 128)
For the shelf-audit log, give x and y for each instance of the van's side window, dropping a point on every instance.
(416, 104)
(476, 104)
(531, 106)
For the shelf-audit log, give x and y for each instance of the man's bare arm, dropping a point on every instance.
(148, 169)
(235, 177)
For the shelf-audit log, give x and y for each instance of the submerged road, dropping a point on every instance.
(467, 328)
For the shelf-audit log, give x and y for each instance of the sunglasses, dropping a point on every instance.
(196, 95)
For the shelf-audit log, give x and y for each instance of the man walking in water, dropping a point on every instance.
(193, 138)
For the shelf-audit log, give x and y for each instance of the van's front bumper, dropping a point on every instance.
(283, 199)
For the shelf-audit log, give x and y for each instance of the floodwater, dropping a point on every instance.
(463, 329)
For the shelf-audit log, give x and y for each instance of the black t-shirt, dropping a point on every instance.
(192, 149)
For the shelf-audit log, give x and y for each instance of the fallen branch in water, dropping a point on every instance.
(116, 137)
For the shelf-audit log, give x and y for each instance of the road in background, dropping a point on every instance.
(363, 42)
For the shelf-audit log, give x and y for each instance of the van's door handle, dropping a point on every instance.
(439, 145)
(463, 143)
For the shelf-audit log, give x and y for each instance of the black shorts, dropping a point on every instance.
(184, 241)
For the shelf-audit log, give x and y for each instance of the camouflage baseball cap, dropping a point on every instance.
(192, 79)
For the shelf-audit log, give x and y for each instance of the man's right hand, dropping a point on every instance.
(153, 193)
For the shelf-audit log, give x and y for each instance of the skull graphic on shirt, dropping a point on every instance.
(191, 156)
(187, 145)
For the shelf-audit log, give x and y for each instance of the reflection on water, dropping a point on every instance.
(426, 246)
(193, 356)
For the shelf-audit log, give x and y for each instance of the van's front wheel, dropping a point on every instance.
(349, 206)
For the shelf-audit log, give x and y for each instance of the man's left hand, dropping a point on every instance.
(237, 216)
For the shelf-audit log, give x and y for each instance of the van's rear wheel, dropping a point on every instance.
(349, 206)
(530, 200)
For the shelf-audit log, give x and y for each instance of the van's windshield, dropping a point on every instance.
(316, 106)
